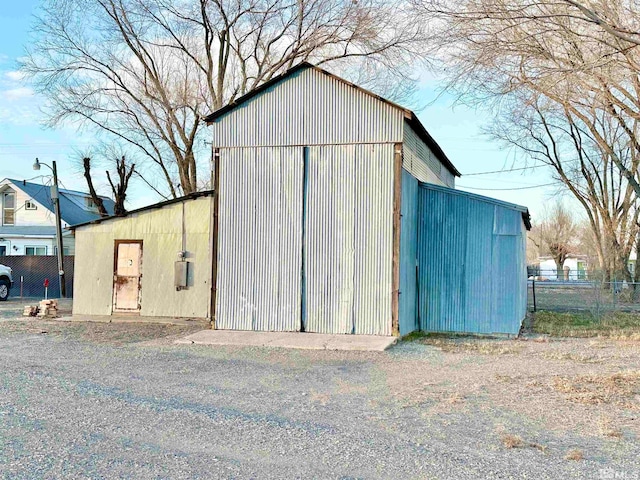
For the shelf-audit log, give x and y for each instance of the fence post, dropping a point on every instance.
(534, 295)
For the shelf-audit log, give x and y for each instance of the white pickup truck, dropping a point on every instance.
(6, 281)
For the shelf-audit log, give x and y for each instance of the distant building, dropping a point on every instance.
(27, 221)
(576, 266)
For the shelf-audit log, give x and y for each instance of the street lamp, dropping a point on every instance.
(55, 196)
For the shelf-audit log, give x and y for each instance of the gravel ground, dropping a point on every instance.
(120, 401)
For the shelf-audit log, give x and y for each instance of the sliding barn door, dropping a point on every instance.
(348, 239)
(260, 239)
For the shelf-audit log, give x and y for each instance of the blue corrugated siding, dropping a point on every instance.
(408, 251)
(471, 263)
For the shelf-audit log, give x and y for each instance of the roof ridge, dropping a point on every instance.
(410, 116)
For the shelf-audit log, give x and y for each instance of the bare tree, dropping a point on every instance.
(117, 181)
(557, 50)
(553, 136)
(556, 235)
(97, 200)
(119, 189)
(147, 71)
(563, 78)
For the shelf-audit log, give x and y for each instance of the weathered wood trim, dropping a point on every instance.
(395, 263)
(215, 235)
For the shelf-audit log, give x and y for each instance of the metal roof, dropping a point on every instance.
(526, 217)
(71, 212)
(154, 206)
(411, 117)
(28, 231)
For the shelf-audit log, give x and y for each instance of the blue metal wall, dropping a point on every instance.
(408, 315)
(471, 262)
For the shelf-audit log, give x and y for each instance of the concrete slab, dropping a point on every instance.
(133, 319)
(308, 341)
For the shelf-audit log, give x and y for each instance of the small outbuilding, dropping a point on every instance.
(334, 211)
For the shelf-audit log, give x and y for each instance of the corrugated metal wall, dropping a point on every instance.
(260, 239)
(419, 160)
(309, 108)
(471, 260)
(348, 239)
(408, 315)
(161, 233)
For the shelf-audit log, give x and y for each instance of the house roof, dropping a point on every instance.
(409, 115)
(526, 217)
(154, 206)
(72, 210)
(28, 231)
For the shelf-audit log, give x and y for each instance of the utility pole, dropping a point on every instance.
(55, 197)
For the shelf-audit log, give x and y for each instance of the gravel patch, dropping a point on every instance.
(125, 403)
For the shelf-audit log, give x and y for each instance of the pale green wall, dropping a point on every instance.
(161, 233)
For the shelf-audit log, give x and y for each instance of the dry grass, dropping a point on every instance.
(575, 455)
(321, 398)
(621, 389)
(607, 429)
(573, 357)
(455, 398)
(515, 441)
(104, 333)
(483, 347)
(512, 441)
(348, 388)
(615, 325)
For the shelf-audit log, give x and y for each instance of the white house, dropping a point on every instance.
(27, 220)
(577, 268)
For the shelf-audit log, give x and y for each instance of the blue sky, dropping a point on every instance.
(456, 129)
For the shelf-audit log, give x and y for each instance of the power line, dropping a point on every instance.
(501, 189)
(502, 171)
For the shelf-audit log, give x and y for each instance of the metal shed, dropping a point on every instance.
(127, 265)
(463, 263)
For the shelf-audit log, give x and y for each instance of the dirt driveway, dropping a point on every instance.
(12, 308)
(82, 399)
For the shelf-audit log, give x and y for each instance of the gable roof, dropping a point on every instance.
(409, 115)
(71, 210)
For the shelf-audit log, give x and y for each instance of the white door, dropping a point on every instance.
(127, 276)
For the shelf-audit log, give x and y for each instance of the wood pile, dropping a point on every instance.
(45, 309)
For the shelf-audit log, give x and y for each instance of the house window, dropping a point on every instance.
(35, 250)
(30, 205)
(88, 201)
(8, 208)
(64, 249)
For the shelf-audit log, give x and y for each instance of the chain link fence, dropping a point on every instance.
(31, 271)
(584, 291)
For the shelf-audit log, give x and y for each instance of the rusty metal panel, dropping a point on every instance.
(260, 239)
(309, 108)
(420, 161)
(348, 239)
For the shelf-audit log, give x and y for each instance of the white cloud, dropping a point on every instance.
(17, 93)
(14, 76)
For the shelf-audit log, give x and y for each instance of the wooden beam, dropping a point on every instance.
(214, 234)
(395, 264)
